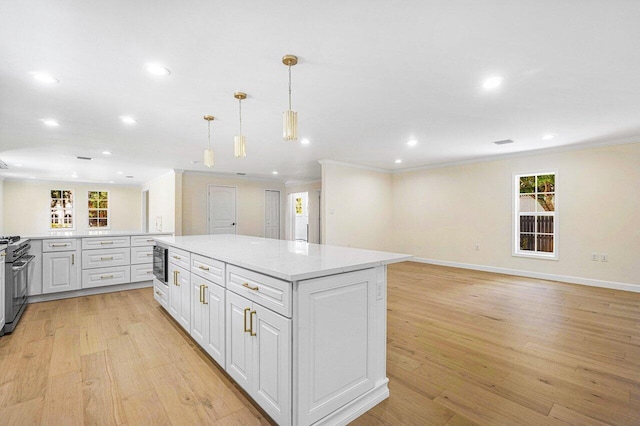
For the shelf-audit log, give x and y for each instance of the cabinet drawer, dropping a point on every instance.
(267, 291)
(142, 272)
(105, 276)
(59, 244)
(106, 257)
(141, 254)
(105, 242)
(180, 258)
(160, 293)
(143, 240)
(208, 268)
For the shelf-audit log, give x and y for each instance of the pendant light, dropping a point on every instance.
(239, 141)
(208, 153)
(290, 118)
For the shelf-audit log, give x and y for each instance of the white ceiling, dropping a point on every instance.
(371, 76)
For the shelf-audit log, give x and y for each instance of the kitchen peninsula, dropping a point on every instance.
(300, 327)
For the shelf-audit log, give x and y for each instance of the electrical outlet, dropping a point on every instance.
(594, 256)
(604, 257)
(477, 247)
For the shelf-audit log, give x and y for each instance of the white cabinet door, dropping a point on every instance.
(185, 299)
(60, 271)
(239, 353)
(199, 321)
(215, 337)
(335, 334)
(272, 363)
(175, 296)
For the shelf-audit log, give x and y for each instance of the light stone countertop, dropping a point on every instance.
(287, 260)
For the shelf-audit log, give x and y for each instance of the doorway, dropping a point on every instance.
(222, 209)
(272, 214)
(299, 213)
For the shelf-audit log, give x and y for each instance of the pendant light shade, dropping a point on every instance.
(240, 141)
(208, 153)
(289, 117)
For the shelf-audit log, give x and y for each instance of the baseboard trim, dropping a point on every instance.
(635, 288)
(88, 292)
(357, 407)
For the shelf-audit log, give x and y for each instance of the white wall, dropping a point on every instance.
(356, 206)
(442, 213)
(2, 207)
(250, 203)
(162, 203)
(27, 206)
(313, 189)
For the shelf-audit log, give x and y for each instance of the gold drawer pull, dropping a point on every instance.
(249, 287)
(3, 254)
(177, 257)
(107, 258)
(149, 272)
(158, 293)
(59, 245)
(149, 254)
(204, 268)
(104, 277)
(204, 295)
(150, 241)
(106, 242)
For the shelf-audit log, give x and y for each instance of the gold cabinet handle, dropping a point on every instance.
(150, 241)
(251, 332)
(201, 286)
(149, 272)
(104, 277)
(204, 295)
(246, 330)
(175, 278)
(3, 254)
(177, 257)
(106, 242)
(107, 258)
(59, 245)
(158, 293)
(204, 268)
(73, 259)
(249, 287)
(149, 254)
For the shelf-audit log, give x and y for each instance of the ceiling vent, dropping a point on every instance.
(84, 158)
(3, 165)
(129, 177)
(504, 142)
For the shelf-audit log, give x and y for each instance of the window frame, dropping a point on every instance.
(72, 209)
(97, 209)
(515, 216)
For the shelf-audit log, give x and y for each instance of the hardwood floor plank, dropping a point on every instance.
(101, 399)
(65, 357)
(92, 339)
(572, 417)
(63, 402)
(145, 408)
(25, 413)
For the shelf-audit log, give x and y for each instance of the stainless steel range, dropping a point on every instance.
(17, 272)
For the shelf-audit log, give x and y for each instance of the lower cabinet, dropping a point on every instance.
(258, 346)
(60, 271)
(180, 295)
(207, 317)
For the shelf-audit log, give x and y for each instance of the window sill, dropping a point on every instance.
(536, 256)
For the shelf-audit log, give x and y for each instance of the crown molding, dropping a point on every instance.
(355, 166)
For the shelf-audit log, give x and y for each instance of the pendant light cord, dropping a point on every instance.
(209, 133)
(289, 87)
(240, 109)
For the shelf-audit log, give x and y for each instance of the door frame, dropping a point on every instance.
(235, 210)
(264, 225)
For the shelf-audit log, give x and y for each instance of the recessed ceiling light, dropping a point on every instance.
(18, 165)
(492, 83)
(275, 172)
(111, 181)
(32, 177)
(120, 173)
(548, 136)
(50, 122)
(45, 78)
(127, 120)
(398, 161)
(106, 153)
(305, 141)
(412, 142)
(74, 175)
(156, 69)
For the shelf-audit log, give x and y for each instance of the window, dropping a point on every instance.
(98, 209)
(535, 225)
(62, 209)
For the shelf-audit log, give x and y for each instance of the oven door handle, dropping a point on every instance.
(27, 260)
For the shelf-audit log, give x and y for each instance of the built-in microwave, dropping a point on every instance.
(160, 263)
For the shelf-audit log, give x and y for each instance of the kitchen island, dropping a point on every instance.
(300, 327)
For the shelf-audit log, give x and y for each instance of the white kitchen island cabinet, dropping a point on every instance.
(304, 324)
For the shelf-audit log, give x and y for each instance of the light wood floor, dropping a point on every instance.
(464, 348)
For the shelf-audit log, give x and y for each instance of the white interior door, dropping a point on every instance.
(272, 214)
(222, 210)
